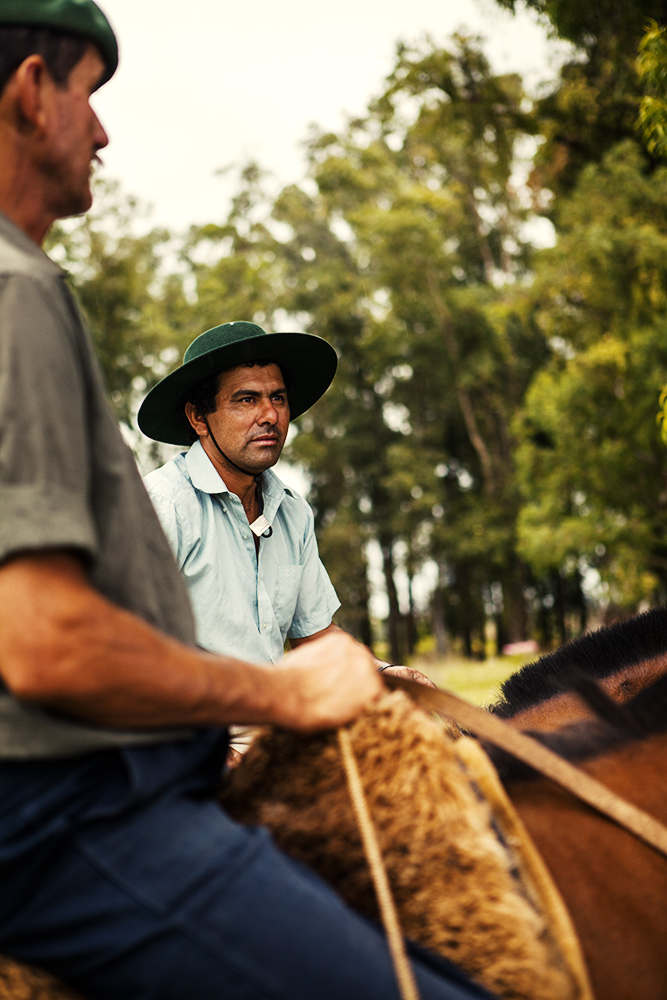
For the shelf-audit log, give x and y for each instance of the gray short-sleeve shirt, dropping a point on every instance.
(69, 481)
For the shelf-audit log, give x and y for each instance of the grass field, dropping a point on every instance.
(477, 682)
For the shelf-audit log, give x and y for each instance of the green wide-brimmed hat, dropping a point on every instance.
(308, 364)
(76, 17)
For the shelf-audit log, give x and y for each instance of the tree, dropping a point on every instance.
(593, 470)
(595, 102)
(132, 305)
(231, 264)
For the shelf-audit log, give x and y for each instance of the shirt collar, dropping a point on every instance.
(205, 477)
(203, 474)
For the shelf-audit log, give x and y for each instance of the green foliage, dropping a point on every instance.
(596, 101)
(585, 23)
(230, 264)
(652, 70)
(592, 469)
(661, 416)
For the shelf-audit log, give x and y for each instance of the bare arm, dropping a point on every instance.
(67, 647)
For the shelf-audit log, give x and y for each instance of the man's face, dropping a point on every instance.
(251, 417)
(72, 136)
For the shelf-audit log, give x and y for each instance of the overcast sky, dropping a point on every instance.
(206, 83)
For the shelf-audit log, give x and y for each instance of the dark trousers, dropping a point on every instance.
(121, 873)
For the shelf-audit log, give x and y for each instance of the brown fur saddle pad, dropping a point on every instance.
(466, 879)
(23, 982)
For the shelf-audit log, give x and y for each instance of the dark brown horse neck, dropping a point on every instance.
(623, 658)
(622, 685)
(614, 886)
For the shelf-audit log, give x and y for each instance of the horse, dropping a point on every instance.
(612, 884)
(622, 659)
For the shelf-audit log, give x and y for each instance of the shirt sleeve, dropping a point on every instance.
(44, 441)
(317, 601)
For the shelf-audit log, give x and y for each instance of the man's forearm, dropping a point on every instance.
(67, 647)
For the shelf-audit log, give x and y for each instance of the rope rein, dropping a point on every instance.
(402, 968)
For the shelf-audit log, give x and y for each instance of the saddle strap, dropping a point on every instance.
(496, 731)
(402, 968)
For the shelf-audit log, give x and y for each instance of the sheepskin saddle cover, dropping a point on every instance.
(23, 982)
(459, 884)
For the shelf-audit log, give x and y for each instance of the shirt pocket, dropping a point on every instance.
(287, 595)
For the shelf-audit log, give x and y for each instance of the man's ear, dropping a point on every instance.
(31, 85)
(196, 420)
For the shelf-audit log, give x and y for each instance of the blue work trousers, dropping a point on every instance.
(121, 873)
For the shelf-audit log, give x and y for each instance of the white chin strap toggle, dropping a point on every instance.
(260, 526)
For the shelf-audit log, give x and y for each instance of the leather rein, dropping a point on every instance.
(500, 734)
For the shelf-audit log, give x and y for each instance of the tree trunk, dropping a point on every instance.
(438, 621)
(514, 603)
(393, 626)
(410, 623)
(559, 608)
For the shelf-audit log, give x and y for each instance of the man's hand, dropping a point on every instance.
(327, 682)
(408, 674)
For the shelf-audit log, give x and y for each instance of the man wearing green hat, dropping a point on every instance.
(118, 869)
(243, 541)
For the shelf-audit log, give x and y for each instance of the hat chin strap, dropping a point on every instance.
(246, 472)
(261, 526)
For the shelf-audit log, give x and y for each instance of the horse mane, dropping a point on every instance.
(615, 725)
(595, 654)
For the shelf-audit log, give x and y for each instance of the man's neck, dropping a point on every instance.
(33, 226)
(242, 484)
(20, 200)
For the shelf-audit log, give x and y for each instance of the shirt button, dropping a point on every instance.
(265, 625)
(246, 537)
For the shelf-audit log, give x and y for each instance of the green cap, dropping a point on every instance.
(77, 17)
(307, 362)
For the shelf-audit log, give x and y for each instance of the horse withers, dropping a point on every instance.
(623, 659)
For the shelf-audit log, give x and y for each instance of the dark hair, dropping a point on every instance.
(204, 393)
(60, 51)
(202, 396)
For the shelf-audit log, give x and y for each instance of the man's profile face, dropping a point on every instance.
(251, 417)
(73, 135)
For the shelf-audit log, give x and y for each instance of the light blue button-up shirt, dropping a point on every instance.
(245, 604)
